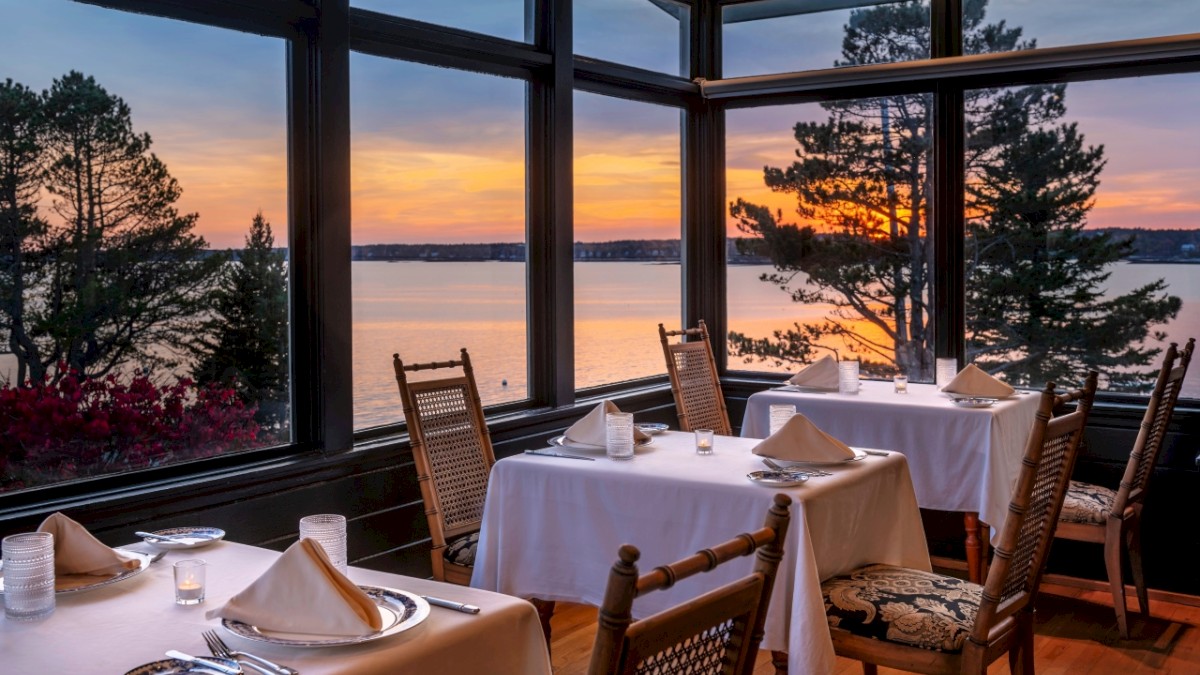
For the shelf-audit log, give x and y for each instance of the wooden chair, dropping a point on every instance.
(925, 622)
(453, 453)
(1098, 514)
(693, 370)
(718, 632)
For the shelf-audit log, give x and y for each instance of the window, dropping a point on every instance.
(438, 197)
(776, 36)
(499, 18)
(145, 304)
(1081, 230)
(1067, 22)
(647, 34)
(627, 227)
(831, 235)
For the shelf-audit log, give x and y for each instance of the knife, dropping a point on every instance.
(551, 453)
(450, 604)
(211, 665)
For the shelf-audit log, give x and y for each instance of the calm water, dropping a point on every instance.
(426, 311)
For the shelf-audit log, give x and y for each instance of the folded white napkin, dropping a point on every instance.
(76, 551)
(302, 592)
(973, 381)
(801, 441)
(823, 374)
(592, 429)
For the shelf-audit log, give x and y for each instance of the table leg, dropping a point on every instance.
(985, 548)
(779, 660)
(545, 610)
(974, 554)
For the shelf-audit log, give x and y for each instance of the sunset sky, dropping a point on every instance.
(438, 155)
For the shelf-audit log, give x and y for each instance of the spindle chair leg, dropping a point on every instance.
(1112, 563)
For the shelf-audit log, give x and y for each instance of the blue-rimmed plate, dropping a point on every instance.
(172, 666)
(859, 455)
(777, 478)
(399, 610)
(651, 428)
(187, 537)
(564, 442)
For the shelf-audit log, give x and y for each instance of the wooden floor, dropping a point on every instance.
(1076, 633)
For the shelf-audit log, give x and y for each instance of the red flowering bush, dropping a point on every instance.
(75, 427)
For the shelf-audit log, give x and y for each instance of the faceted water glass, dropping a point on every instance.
(28, 576)
(328, 530)
(944, 371)
(848, 377)
(619, 435)
(780, 414)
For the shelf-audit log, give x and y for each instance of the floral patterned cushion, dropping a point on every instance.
(1087, 503)
(916, 608)
(461, 551)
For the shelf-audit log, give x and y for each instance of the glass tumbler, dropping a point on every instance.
(704, 441)
(618, 428)
(944, 371)
(901, 384)
(780, 414)
(328, 530)
(28, 576)
(848, 377)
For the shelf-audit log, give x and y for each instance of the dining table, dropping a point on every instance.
(121, 626)
(963, 459)
(552, 526)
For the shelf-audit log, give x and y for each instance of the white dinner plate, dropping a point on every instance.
(858, 456)
(975, 402)
(144, 560)
(193, 537)
(777, 478)
(399, 610)
(564, 442)
(173, 666)
(652, 428)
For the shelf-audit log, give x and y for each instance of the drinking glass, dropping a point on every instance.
(618, 429)
(704, 441)
(848, 377)
(189, 581)
(328, 530)
(780, 414)
(901, 384)
(944, 371)
(28, 576)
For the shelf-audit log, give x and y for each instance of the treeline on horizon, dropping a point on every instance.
(1148, 244)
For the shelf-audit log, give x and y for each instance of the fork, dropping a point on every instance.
(218, 648)
(807, 472)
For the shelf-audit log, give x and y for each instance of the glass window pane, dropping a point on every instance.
(498, 18)
(782, 36)
(143, 288)
(1070, 22)
(641, 33)
(438, 197)
(828, 241)
(1082, 232)
(627, 226)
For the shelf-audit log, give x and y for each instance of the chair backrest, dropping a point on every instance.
(450, 445)
(1020, 557)
(694, 382)
(718, 632)
(1154, 428)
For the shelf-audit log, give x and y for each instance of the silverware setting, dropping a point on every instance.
(218, 648)
(787, 470)
(211, 665)
(552, 453)
(169, 538)
(450, 604)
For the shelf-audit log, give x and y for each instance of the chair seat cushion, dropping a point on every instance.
(1087, 503)
(461, 551)
(907, 606)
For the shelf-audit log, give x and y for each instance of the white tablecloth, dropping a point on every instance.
(118, 627)
(962, 459)
(552, 527)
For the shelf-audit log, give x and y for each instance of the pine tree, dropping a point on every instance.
(862, 183)
(246, 343)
